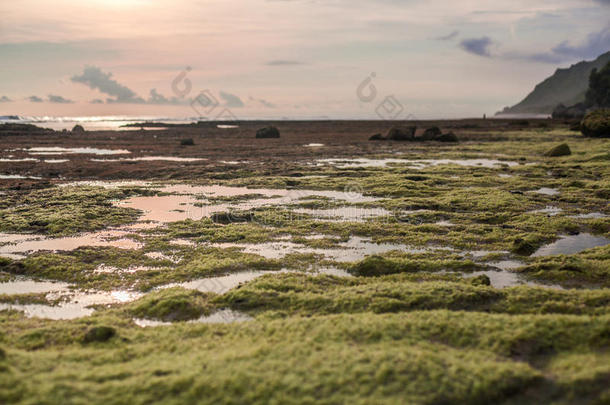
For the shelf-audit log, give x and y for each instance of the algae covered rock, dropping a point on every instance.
(268, 132)
(99, 334)
(559, 150)
(373, 266)
(596, 124)
(187, 142)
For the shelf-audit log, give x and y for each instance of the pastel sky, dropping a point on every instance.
(287, 58)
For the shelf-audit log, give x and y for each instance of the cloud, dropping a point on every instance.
(5, 99)
(262, 102)
(96, 101)
(157, 98)
(231, 100)
(448, 37)
(96, 79)
(281, 62)
(35, 99)
(477, 46)
(603, 2)
(59, 99)
(594, 45)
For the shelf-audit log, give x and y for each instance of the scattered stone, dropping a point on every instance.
(187, 142)
(376, 137)
(401, 133)
(596, 124)
(448, 137)
(559, 150)
(480, 280)
(78, 129)
(431, 133)
(99, 334)
(226, 218)
(268, 132)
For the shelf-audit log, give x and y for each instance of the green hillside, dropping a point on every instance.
(567, 86)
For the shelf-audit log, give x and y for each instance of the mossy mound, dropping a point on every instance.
(171, 304)
(596, 124)
(559, 150)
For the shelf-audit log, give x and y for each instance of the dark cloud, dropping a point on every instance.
(5, 99)
(448, 37)
(35, 99)
(594, 45)
(96, 79)
(59, 99)
(231, 100)
(281, 62)
(477, 46)
(603, 2)
(262, 102)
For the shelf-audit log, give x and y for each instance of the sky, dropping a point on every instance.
(387, 59)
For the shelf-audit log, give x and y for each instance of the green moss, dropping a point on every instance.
(65, 210)
(171, 304)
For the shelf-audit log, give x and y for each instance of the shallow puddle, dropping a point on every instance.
(357, 214)
(152, 159)
(545, 191)
(504, 279)
(414, 164)
(571, 244)
(57, 150)
(549, 210)
(19, 246)
(591, 215)
(221, 316)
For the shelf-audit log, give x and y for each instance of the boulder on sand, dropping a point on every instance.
(448, 137)
(78, 129)
(431, 133)
(268, 132)
(401, 134)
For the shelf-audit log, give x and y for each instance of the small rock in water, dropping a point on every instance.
(187, 142)
(559, 150)
(78, 129)
(268, 132)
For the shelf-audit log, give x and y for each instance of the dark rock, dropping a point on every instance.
(431, 133)
(376, 137)
(448, 137)
(187, 142)
(596, 124)
(401, 133)
(78, 129)
(99, 334)
(268, 132)
(372, 266)
(575, 127)
(524, 247)
(559, 150)
(480, 280)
